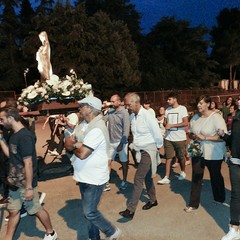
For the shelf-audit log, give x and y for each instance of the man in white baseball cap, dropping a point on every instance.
(91, 166)
(92, 101)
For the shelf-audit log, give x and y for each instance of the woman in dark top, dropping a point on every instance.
(233, 141)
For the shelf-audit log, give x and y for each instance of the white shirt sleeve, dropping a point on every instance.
(154, 129)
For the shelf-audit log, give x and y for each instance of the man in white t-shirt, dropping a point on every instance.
(91, 166)
(176, 119)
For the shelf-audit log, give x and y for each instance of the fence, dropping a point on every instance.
(187, 97)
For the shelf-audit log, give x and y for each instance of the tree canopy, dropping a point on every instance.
(102, 41)
(225, 41)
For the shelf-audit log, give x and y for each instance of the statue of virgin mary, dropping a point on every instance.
(43, 57)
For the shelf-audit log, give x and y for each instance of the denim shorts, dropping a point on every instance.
(123, 155)
(172, 148)
(17, 199)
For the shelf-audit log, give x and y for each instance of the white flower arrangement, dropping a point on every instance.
(67, 89)
(195, 149)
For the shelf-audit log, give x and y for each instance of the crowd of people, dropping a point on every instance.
(103, 132)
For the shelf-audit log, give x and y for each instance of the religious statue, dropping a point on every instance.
(43, 57)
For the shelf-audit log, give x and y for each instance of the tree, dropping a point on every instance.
(9, 46)
(117, 10)
(45, 7)
(226, 44)
(176, 55)
(114, 64)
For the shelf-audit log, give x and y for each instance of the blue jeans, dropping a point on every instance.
(91, 195)
(235, 194)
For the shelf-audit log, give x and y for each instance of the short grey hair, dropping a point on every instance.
(134, 97)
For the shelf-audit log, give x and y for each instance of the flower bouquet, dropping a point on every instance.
(64, 90)
(195, 149)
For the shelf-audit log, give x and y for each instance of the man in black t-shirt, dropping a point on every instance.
(22, 176)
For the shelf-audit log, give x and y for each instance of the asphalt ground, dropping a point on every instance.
(167, 221)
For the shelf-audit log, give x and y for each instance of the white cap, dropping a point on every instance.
(92, 101)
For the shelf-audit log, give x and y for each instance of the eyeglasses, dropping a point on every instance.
(82, 105)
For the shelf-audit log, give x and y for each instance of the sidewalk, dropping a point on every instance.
(167, 221)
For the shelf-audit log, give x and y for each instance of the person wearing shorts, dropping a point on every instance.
(176, 119)
(118, 121)
(22, 177)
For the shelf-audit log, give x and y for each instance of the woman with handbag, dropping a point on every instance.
(207, 150)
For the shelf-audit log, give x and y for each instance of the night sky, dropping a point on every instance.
(198, 12)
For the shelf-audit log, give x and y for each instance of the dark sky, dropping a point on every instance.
(198, 12)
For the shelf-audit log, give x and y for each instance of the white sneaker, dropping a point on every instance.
(165, 180)
(116, 235)
(50, 237)
(231, 235)
(182, 176)
(107, 187)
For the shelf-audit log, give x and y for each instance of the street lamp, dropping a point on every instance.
(25, 76)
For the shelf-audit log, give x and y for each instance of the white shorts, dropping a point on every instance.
(123, 155)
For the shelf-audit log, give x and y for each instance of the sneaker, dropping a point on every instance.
(182, 176)
(189, 209)
(116, 235)
(231, 235)
(23, 213)
(107, 187)
(3, 202)
(165, 180)
(221, 203)
(42, 195)
(123, 185)
(175, 165)
(51, 236)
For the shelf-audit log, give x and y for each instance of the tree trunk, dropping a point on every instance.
(230, 77)
(234, 73)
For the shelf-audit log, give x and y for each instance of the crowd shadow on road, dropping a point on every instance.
(72, 214)
(59, 167)
(28, 227)
(218, 212)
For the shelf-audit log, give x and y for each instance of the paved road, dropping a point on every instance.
(167, 221)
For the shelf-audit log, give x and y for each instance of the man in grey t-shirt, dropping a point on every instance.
(118, 126)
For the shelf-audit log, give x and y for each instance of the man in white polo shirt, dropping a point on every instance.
(147, 139)
(91, 167)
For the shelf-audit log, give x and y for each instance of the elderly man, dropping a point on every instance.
(22, 178)
(91, 167)
(147, 139)
(119, 127)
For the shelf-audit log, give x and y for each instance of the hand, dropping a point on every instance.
(200, 137)
(29, 194)
(220, 132)
(168, 126)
